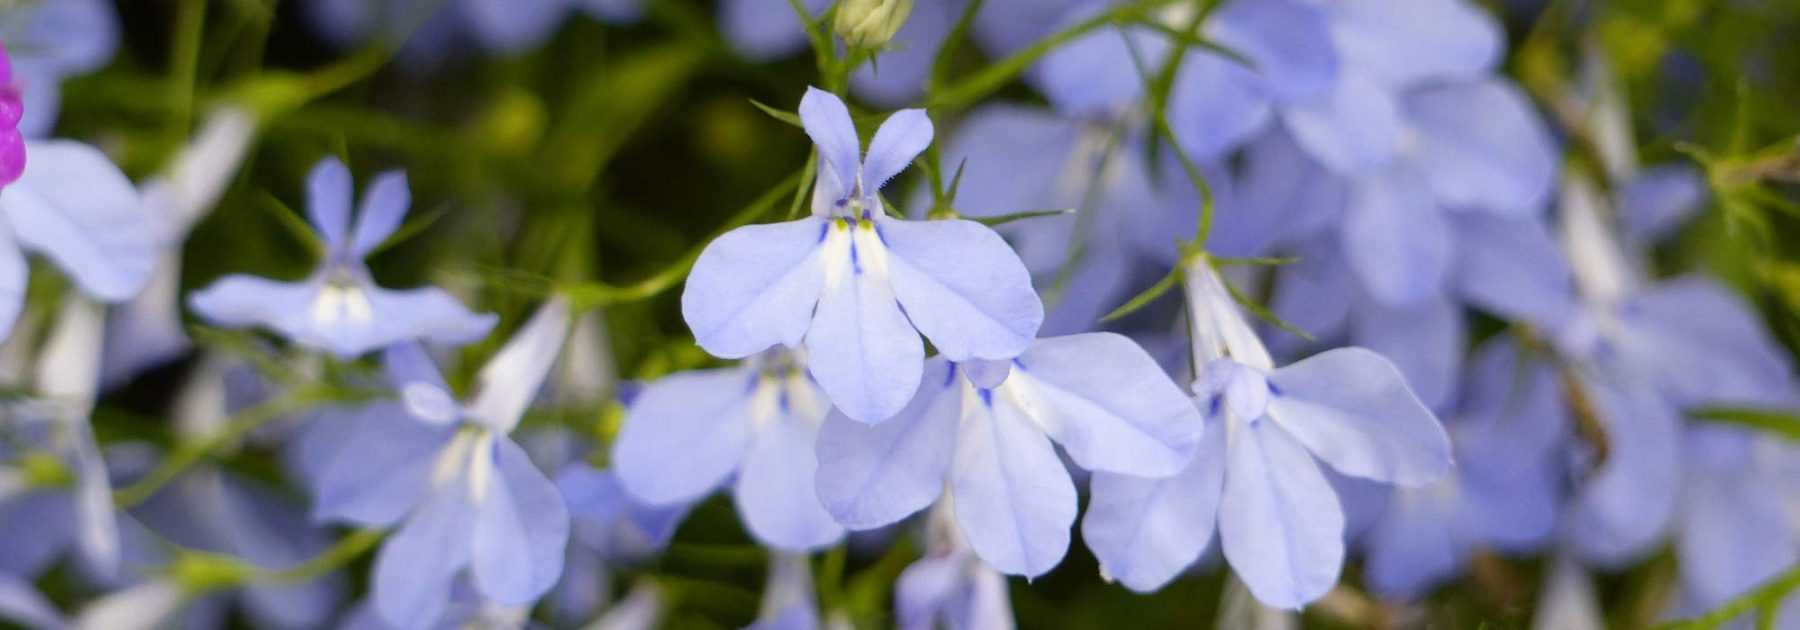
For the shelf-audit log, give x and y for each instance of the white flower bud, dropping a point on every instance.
(871, 23)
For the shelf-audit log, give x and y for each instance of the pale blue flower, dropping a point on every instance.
(609, 528)
(687, 433)
(1734, 529)
(463, 494)
(73, 205)
(1256, 476)
(22, 604)
(339, 309)
(950, 587)
(855, 287)
(980, 434)
(1506, 433)
(438, 28)
(49, 42)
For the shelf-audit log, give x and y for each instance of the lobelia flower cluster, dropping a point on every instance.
(1467, 353)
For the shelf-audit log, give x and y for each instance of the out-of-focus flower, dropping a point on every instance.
(610, 528)
(75, 207)
(51, 41)
(339, 309)
(950, 587)
(66, 499)
(1503, 494)
(1257, 475)
(979, 434)
(464, 494)
(434, 29)
(856, 287)
(687, 433)
(1733, 528)
(870, 23)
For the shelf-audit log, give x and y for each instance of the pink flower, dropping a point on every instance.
(12, 145)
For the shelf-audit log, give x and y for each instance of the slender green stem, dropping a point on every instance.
(346, 550)
(1769, 595)
(184, 62)
(235, 429)
(992, 78)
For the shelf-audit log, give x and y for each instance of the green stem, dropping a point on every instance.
(235, 429)
(992, 78)
(184, 61)
(347, 549)
(1769, 595)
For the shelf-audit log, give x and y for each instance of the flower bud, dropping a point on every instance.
(871, 23)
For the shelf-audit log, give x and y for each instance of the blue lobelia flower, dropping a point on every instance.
(464, 494)
(1256, 475)
(72, 205)
(1507, 434)
(687, 433)
(853, 285)
(788, 602)
(21, 603)
(609, 529)
(979, 435)
(1734, 529)
(339, 309)
(49, 42)
(434, 30)
(950, 587)
(70, 509)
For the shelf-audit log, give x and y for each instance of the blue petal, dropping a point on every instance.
(1216, 104)
(1013, 499)
(1004, 26)
(1703, 345)
(35, 528)
(418, 564)
(1315, 293)
(1513, 267)
(1658, 201)
(75, 207)
(1282, 196)
(328, 192)
(827, 122)
(1403, 43)
(266, 529)
(755, 287)
(897, 76)
(684, 435)
(1288, 41)
(871, 476)
(1091, 76)
(14, 274)
(1395, 238)
(407, 364)
(1481, 145)
(901, 138)
(1414, 546)
(513, 25)
(21, 604)
(925, 588)
(1108, 404)
(775, 485)
(427, 313)
(1735, 533)
(381, 467)
(861, 348)
(71, 36)
(1509, 449)
(239, 301)
(1145, 532)
(1279, 521)
(384, 205)
(1006, 152)
(764, 30)
(962, 287)
(1355, 128)
(1352, 409)
(1425, 340)
(521, 528)
(511, 379)
(1623, 507)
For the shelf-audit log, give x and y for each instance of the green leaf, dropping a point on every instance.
(1020, 216)
(1263, 313)
(783, 116)
(940, 66)
(297, 226)
(1782, 423)
(1144, 299)
(411, 228)
(990, 79)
